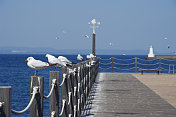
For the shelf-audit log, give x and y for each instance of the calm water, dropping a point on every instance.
(14, 72)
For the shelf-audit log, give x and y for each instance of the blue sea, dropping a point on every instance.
(15, 72)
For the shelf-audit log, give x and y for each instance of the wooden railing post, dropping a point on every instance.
(135, 64)
(112, 64)
(79, 91)
(5, 101)
(75, 92)
(64, 93)
(70, 89)
(169, 69)
(159, 64)
(37, 105)
(173, 69)
(54, 98)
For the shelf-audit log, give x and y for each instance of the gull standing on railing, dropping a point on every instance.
(65, 60)
(36, 64)
(90, 56)
(53, 61)
(79, 57)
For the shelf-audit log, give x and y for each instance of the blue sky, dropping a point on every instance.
(127, 24)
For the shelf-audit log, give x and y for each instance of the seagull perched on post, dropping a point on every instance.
(65, 60)
(53, 61)
(90, 56)
(36, 64)
(79, 57)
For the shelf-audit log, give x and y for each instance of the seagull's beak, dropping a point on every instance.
(25, 60)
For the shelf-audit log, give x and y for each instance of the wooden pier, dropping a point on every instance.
(123, 95)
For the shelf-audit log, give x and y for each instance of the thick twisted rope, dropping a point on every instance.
(124, 64)
(35, 91)
(104, 59)
(53, 113)
(1, 104)
(105, 63)
(63, 105)
(124, 59)
(64, 77)
(147, 64)
(69, 97)
(52, 88)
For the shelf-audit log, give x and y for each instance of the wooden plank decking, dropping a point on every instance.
(122, 95)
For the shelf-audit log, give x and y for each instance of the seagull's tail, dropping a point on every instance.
(69, 65)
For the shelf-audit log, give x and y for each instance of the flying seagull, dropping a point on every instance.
(87, 36)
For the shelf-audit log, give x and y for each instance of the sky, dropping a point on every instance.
(125, 24)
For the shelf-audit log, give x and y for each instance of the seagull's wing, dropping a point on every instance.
(64, 59)
(54, 61)
(39, 64)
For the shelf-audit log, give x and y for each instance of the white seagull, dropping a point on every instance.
(87, 36)
(79, 57)
(53, 61)
(65, 60)
(90, 56)
(36, 64)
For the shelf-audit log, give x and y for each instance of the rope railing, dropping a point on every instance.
(105, 63)
(76, 87)
(124, 69)
(1, 104)
(123, 59)
(105, 68)
(35, 91)
(105, 59)
(137, 64)
(146, 59)
(64, 77)
(147, 64)
(63, 106)
(124, 64)
(53, 84)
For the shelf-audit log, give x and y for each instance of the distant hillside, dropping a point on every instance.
(28, 50)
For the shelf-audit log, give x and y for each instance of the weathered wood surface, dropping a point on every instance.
(122, 95)
(5, 100)
(36, 109)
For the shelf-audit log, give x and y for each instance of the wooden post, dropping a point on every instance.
(37, 105)
(5, 101)
(159, 64)
(75, 94)
(135, 64)
(54, 98)
(169, 69)
(79, 90)
(64, 93)
(70, 89)
(112, 64)
(93, 45)
(173, 69)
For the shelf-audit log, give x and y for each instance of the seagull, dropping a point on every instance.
(165, 38)
(79, 57)
(57, 38)
(90, 56)
(65, 60)
(87, 36)
(36, 64)
(53, 61)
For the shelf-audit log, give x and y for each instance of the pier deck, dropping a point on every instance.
(123, 95)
